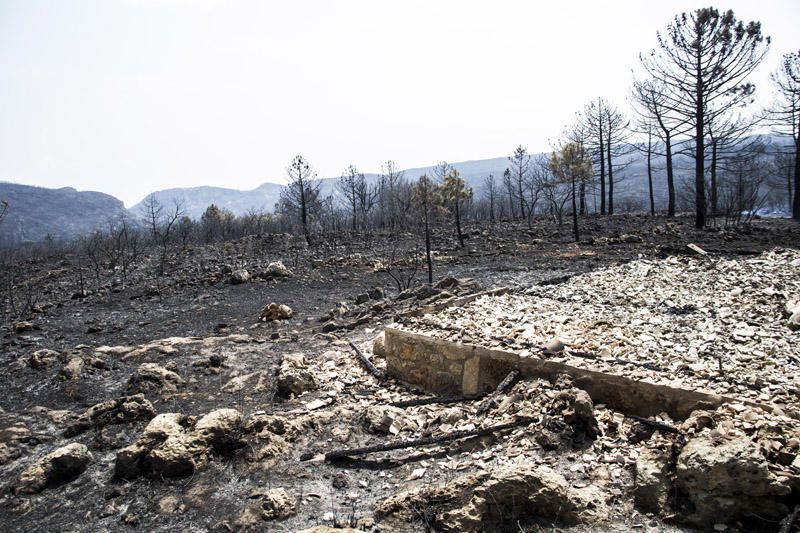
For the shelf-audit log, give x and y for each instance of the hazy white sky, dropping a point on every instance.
(131, 96)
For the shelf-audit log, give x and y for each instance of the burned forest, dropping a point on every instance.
(601, 336)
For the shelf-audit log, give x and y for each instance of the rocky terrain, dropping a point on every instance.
(240, 390)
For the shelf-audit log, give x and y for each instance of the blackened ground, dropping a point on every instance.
(194, 298)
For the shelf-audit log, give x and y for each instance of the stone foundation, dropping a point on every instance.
(446, 368)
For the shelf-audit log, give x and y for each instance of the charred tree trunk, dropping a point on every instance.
(713, 178)
(458, 226)
(602, 171)
(650, 173)
(670, 179)
(796, 203)
(575, 211)
(428, 250)
(699, 149)
(610, 177)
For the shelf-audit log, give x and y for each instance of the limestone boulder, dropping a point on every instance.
(239, 276)
(179, 455)
(379, 344)
(41, 359)
(173, 444)
(273, 504)
(500, 500)
(130, 461)
(579, 413)
(294, 376)
(56, 468)
(116, 411)
(221, 429)
(652, 483)
(273, 311)
(72, 369)
(276, 270)
(151, 377)
(728, 479)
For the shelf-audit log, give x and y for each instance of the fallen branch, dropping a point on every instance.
(654, 424)
(425, 441)
(439, 400)
(504, 385)
(372, 369)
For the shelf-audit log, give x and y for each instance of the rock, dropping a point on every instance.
(239, 276)
(376, 294)
(72, 369)
(728, 479)
(254, 383)
(579, 413)
(56, 468)
(150, 377)
(41, 359)
(640, 432)
(378, 344)
(8, 452)
(362, 298)
(24, 327)
(652, 483)
(425, 291)
(380, 418)
(220, 429)
(794, 320)
(117, 411)
(273, 311)
(547, 439)
(274, 504)
(179, 455)
(276, 270)
(554, 346)
(294, 377)
(11, 440)
(175, 445)
(130, 461)
(497, 501)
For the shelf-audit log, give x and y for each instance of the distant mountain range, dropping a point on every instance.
(36, 212)
(195, 200)
(632, 180)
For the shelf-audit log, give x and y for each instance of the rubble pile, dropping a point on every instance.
(717, 325)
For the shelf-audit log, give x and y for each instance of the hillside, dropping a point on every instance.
(36, 212)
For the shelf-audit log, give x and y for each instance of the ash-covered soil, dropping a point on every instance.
(166, 403)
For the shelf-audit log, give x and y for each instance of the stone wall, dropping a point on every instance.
(447, 368)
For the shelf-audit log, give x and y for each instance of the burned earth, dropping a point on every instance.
(251, 387)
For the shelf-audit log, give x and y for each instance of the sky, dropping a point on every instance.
(131, 96)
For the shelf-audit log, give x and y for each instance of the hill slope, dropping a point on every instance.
(35, 212)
